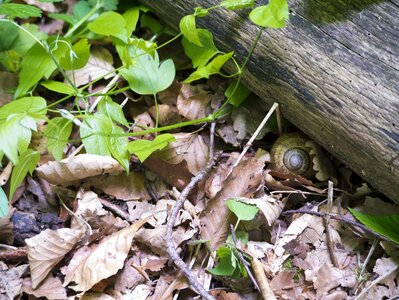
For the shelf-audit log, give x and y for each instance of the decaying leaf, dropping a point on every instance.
(244, 180)
(192, 101)
(269, 207)
(189, 147)
(47, 249)
(11, 282)
(78, 167)
(51, 288)
(103, 259)
(100, 63)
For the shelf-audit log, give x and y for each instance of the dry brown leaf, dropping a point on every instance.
(189, 147)
(51, 288)
(100, 63)
(129, 277)
(11, 282)
(8, 81)
(141, 292)
(47, 249)
(192, 101)
(142, 122)
(6, 233)
(242, 182)
(96, 296)
(104, 259)
(47, 7)
(269, 206)
(122, 186)
(78, 167)
(321, 164)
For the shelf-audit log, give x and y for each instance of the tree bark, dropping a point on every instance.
(333, 69)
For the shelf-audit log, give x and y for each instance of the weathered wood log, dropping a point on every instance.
(333, 69)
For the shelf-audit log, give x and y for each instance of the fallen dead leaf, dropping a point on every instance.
(11, 282)
(192, 101)
(51, 288)
(47, 249)
(121, 186)
(78, 167)
(102, 260)
(100, 64)
(244, 180)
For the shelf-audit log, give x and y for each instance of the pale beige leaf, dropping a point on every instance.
(104, 259)
(141, 292)
(321, 164)
(78, 167)
(189, 147)
(192, 101)
(51, 288)
(242, 182)
(269, 206)
(47, 7)
(100, 63)
(47, 249)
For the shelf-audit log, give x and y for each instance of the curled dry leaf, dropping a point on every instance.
(78, 167)
(47, 249)
(189, 147)
(100, 63)
(244, 180)
(321, 164)
(121, 186)
(269, 206)
(192, 101)
(51, 288)
(101, 260)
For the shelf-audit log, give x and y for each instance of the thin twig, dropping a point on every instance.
(14, 255)
(116, 209)
(243, 261)
(174, 256)
(266, 290)
(256, 133)
(326, 221)
(338, 218)
(212, 140)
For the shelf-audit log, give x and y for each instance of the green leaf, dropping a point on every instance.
(243, 211)
(105, 4)
(213, 67)
(241, 236)
(4, 209)
(147, 76)
(95, 134)
(240, 94)
(110, 23)
(19, 10)
(144, 148)
(131, 17)
(272, 15)
(80, 10)
(189, 30)
(117, 145)
(59, 87)
(78, 57)
(113, 110)
(35, 64)
(237, 4)
(386, 225)
(57, 133)
(200, 55)
(64, 17)
(8, 34)
(151, 23)
(17, 119)
(227, 263)
(27, 163)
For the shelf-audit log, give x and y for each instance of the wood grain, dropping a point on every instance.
(333, 69)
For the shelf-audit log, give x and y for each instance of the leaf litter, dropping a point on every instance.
(112, 243)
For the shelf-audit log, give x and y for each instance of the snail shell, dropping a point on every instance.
(290, 155)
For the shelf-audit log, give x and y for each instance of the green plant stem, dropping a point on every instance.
(109, 93)
(84, 19)
(156, 112)
(259, 34)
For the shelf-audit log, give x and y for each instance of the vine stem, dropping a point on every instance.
(170, 247)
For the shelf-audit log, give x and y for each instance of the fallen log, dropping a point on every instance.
(333, 69)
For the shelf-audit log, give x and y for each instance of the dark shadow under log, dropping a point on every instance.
(333, 69)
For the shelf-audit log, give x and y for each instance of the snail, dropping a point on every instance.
(291, 154)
